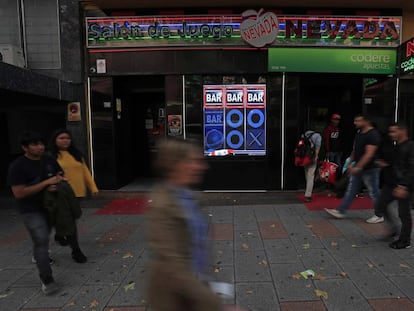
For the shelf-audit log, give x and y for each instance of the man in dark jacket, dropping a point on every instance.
(398, 185)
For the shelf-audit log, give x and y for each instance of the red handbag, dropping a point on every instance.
(327, 171)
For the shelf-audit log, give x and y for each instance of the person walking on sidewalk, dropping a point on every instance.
(315, 140)
(62, 148)
(29, 177)
(177, 233)
(364, 170)
(398, 185)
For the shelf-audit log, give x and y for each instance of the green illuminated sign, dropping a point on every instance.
(365, 61)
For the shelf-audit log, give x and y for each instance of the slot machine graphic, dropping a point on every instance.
(234, 120)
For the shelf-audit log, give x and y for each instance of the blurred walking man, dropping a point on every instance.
(365, 170)
(398, 185)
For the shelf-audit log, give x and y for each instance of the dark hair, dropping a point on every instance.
(54, 150)
(400, 125)
(363, 116)
(30, 137)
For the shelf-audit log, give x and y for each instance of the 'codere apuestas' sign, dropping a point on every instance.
(256, 29)
(407, 57)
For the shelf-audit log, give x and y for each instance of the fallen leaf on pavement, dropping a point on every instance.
(71, 304)
(249, 292)
(245, 246)
(263, 262)
(129, 286)
(319, 277)
(94, 303)
(370, 265)
(343, 274)
(333, 244)
(404, 266)
(321, 293)
(127, 255)
(306, 246)
(296, 276)
(5, 295)
(115, 251)
(217, 270)
(272, 226)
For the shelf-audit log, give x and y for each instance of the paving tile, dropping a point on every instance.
(320, 261)
(290, 288)
(264, 212)
(405, 284)
(370, 280)
(251, 266)
(221, 232)
(324, 229)
(372, 229)
(14, 238)
(401, 304)
(272, 230)
(112, 271)
(15, 298)
(132, 289)
(280, 251)
(342, 295)
(222, 214)
(386, 260)
(90, 297)
(302, 305)
(9, 276)
(244, 240)
(222, 252)
(342, 249)
(222, 273)
(117, 234)
(260, 296)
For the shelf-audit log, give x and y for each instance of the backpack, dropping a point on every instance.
(304, 150)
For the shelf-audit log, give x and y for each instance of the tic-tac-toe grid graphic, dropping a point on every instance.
(235, 119)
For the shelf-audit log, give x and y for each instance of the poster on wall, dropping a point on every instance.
(74, 112)
(175, 125)
(234, 119)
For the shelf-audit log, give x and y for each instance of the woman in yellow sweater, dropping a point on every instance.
(79, 177)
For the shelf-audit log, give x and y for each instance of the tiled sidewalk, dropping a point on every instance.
(260, 246)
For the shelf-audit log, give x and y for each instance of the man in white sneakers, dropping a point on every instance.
(365, 171)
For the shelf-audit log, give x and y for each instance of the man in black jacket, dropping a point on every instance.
(398, 185)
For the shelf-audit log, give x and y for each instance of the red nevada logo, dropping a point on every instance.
(409, 50)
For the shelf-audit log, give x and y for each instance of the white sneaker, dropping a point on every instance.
(335, 213)
(375, 220)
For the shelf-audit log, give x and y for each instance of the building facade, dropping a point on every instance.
(244, 81)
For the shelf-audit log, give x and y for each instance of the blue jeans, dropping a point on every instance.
(370, 178)
(37, 225)
(336, 157)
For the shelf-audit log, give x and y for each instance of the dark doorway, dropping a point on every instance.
(322, 95)
(139, 123)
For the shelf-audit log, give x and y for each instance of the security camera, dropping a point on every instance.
(92, 70)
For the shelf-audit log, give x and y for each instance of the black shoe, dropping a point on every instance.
(400, 244)
(78, 256)
(61, 240)
(307, 199)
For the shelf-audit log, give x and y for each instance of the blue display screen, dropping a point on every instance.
(235, 120)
